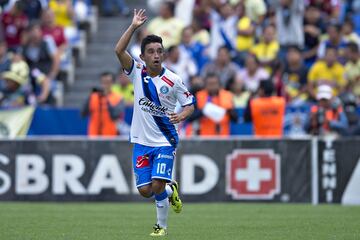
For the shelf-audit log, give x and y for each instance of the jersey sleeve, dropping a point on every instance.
(183, 95)
(133, 69)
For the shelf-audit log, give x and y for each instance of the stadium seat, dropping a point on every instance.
(78, 44)
(67, 67)
(57, 89)
(88, 20)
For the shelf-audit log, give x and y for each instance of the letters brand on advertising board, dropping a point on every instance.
(253, 174)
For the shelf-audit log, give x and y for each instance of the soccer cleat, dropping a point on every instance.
(175, 200)
(158, 231)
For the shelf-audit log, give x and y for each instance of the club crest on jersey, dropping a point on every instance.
(164, 89)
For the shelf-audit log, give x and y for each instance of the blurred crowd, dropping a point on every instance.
(38, 39)
(259, 56)
(234, 54)
(297, 45)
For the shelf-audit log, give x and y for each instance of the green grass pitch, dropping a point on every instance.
(102, 221)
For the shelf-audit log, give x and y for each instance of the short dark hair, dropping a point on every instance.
(353, 47)
(108, 73)
(171, 6)
(270, 25)
(212, 75)
(267, 86)
(172, 48)
(294, 48)
(150, 39)
(224, 47)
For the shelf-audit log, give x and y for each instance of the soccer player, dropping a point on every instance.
(153, 129)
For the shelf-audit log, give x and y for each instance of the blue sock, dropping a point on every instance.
(161, 196)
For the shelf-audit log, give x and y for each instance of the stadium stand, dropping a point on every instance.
(256, 40)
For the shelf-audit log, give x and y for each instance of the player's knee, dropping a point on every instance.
(158, 186)
(145, 191)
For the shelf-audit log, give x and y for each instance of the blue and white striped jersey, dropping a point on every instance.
(154, 98)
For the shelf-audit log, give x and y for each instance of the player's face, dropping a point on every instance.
(153, 55)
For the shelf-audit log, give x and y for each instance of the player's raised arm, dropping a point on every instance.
(120, 49)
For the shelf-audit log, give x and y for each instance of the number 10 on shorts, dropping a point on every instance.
(161, 168)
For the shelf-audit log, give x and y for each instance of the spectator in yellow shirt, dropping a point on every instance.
(167, 26)
(352, 68)
(63, 11)
(267, 49)
(327, 72)
(64, 16)
(245, 34)
(124, 87)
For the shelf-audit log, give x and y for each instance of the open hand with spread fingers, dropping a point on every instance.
(139, 18)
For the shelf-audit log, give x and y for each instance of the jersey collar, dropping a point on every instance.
(160, 75)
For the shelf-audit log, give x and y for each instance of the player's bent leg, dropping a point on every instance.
(158, 185)
(146, 191)
(162, 207)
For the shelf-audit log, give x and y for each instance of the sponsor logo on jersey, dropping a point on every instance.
(253, 174)
(142, 161)
(165, 156)
(148, 106)
(164, 89)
